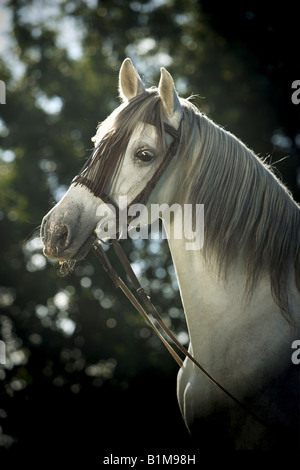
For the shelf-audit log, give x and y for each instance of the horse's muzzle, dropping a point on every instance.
(57, 235)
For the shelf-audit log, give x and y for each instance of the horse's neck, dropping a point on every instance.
(244, 343)
(225, 327)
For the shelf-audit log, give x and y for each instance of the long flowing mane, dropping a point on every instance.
(247, 209)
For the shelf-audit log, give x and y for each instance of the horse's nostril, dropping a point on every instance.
(62, 238)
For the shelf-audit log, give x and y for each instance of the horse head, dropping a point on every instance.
(129, 148)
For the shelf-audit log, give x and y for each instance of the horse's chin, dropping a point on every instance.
(84, 248)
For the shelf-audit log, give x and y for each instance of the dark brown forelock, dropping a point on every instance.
(101, 167)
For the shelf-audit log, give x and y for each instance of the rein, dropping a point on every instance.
(151, 309)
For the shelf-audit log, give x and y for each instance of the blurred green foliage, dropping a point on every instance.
(83, 373)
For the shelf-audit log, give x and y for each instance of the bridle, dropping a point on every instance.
(149, 308)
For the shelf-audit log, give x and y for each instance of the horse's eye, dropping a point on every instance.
(144, 155)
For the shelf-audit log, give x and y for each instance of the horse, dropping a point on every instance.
(240, 288)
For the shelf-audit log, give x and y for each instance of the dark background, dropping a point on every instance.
(84, 376)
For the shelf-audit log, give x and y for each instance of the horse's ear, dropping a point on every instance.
(130, 83)
(169, 97)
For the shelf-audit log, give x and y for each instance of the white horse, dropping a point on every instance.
(240, 291)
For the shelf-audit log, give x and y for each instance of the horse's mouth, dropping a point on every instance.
(71, 253)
